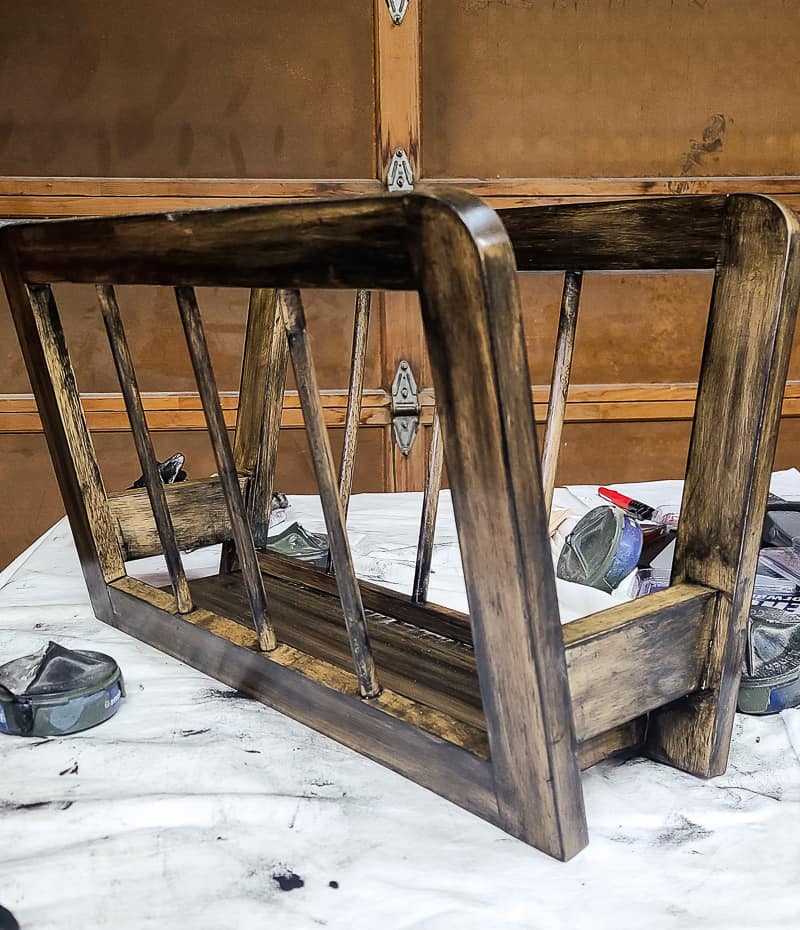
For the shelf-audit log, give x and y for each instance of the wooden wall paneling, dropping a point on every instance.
(397, 81)
(398, 124)
(238, 90)
(651, 89)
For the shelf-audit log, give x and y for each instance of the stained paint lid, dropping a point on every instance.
(601, 550)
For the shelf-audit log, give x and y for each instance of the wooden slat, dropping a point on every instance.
(745, 362)
(435, 763)
(358, 358)
(197, 507)
(631, 235)
(144, 445)
(430, 506)
(621, 662)
(397, 86)
(259, 500)
(320, 449)
(46, 358)
(346, 244)
(586, 403)
(562, 365)
(223, 454)
(641, 655)
(288, 189)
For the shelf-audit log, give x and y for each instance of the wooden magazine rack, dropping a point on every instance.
(499, 710)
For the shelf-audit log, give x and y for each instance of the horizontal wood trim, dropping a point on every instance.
(288, 188)
(630, 659)
(621, 662)
(620, 187)
(183, 411)
(42, 197)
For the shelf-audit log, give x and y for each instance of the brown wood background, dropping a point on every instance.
(154, 106)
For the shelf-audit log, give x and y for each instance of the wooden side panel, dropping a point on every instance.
(733, 443)
(610, 88)
(188, 89)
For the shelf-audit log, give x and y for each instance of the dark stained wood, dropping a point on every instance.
(320, 448)
(611, 656)
(223, 454)
(358, 358)
(559, 385)
(198, 511)
(549, 698)
(53, 380)
(430, 505)
(480, 376)
(430, 761)
(144, 445)
(579, 237)
(745, 363)
(270, 392)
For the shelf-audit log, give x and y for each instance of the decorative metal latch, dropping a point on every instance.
(400, 176)
(405, 407)
(397, 10)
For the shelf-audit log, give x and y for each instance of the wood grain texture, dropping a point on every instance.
(193, 90)
(480, 374)
(621, 662)
(735, 431)
(559, 385)
(53, 380)
(600, 88)
(198, 511)
(144, 446)
(576, 237)
(430, 507)
(358, 358)
(268, 393)
(397, 86)
(430, 761)
(223, 454)
(320, 448)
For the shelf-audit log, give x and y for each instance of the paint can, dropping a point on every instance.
(602, 549)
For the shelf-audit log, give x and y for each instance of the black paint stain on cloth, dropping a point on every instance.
(288, 880)
(680, 831)
(72, 770)
(226, 693)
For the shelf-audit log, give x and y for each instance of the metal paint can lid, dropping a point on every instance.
(57, 690)
(601, 550)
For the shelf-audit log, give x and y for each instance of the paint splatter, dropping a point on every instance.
(700, 150)
(288, 880)
(681, 830)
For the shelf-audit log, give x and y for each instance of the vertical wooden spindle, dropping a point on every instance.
(430, 506)
(144, 444)
(358, 358)
(320, 447)
(259, 500)
(223, 454)
(562, 364)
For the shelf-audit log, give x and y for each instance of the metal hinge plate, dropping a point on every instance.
(397, 10)
(400, 176)
(405, 407)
